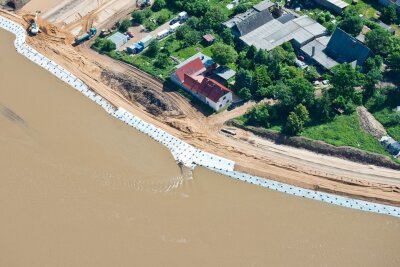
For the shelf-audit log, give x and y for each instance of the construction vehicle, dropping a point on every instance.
(34, 30)
(105, 32)
(143, 3)
(88, 35)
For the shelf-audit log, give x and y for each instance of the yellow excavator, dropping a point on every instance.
(34, 30)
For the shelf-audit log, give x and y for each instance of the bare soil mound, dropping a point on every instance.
(369, 124)
(154, 102)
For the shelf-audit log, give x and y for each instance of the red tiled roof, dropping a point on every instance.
(191, 76)
(190, 68)
(212, 89)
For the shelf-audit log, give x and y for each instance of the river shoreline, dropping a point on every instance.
(182, 152)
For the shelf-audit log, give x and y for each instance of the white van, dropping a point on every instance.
(162, 34)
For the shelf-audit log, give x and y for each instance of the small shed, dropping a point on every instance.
(387, 27)
(208, 39)
(222, 74)
(118, 39)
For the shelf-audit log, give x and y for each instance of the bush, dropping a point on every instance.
(138, 16)
(104, 45)
(153, 49)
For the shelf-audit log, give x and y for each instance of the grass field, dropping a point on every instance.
(390, 120)
(344, 130)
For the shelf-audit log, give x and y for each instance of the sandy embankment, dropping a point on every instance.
(252, 154)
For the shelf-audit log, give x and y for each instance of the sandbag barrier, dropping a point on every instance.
(181, 151)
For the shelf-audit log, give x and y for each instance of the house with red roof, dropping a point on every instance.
(192, 76)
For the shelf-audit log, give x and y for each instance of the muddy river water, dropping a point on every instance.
(79, 188)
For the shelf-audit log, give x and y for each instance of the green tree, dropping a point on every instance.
(323, 108)
(162, 18)
(261, 57)
(182, 31)
(302, 113)
(372, 78)
(223, 54)
(373, 63)
(262, 78)
(258, 115)
(244, 79)
(191, 38)
(288, 47)
(294, 125)
(213, 18)
(138, 16)
(125, 24)
(379, 41)
(227, 36)
(242, 7)
(352, 24)
(302, 91)
(251, 52)
(150, 25)
(158, 5)
(312, 74)
(394, 62)
(244, 93)
(193, 23)
(147, 12)
(344, 80)
(154, 48)
(108, 46)
(389, 14)
(197, 7)
(243, 61)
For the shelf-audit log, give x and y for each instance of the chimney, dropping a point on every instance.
(313, 51)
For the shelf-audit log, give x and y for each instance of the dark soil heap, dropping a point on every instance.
(12, 4)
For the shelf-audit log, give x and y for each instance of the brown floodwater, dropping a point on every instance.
(80, 188)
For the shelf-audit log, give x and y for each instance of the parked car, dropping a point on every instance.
(130, 34)
(325, 82)
(300, 57)
(173, 21)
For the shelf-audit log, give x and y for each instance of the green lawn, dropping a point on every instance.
(144, 63)
(367, 8)
(344, 130)
(390, 120)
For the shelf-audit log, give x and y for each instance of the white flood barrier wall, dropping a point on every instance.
(181, 151)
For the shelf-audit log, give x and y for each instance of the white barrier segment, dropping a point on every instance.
(180, 150)
(316, 195)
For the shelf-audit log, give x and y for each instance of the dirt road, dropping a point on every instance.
(252, 154)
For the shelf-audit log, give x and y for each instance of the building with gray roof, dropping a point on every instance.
(341, 47)
(345, 48)
(248, 21)
(337, 6)
(118, 39)
(263, 5)
(299, 30)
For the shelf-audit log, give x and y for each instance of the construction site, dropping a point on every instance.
(53, 27)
